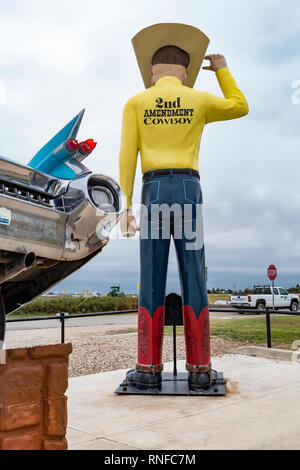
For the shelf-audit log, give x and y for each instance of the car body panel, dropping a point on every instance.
(51, 225)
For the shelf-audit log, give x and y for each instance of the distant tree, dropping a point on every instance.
(295, 289)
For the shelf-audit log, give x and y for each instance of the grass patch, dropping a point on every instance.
(212, 298)
(284, 329)
(45, 306)
(17, 314)
(124, 331)
(42, 307)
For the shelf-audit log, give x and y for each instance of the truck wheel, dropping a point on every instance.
(294, 306)
(260, 307)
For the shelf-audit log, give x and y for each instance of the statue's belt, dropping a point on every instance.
(152, 174)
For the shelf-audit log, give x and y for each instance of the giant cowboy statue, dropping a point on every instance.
(164, 124)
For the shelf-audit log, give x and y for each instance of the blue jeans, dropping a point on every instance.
(182, 194)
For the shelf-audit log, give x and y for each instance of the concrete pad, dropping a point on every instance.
(269, 353)
(103, 444)
(260, 411)
(247, 426)
(78, 437)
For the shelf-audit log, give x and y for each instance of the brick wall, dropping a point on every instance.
(33, 405)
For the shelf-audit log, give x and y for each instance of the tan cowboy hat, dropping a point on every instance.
(188, 38)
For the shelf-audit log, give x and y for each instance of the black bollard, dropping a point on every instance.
(268, 326)
(2, 319)
(173, 317)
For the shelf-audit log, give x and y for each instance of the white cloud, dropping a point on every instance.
(3, 94)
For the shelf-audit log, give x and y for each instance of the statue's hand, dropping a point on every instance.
(128, 224)
(217, 62)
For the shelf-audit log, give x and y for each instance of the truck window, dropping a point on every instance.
(262, 290)
(282, 291)
(276, 291)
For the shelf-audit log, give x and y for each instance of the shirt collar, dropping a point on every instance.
(168, 79)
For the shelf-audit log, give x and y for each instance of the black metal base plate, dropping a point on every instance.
(175, 386)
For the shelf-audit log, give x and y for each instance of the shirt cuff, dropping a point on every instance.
(128, 202)
(223, 72)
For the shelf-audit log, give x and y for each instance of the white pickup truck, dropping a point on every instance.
(262, 297)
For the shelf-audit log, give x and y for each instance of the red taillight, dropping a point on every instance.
(72, 144)
(91, 142)
(86, 147)
(249, 298)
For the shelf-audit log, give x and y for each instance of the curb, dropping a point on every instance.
(277, 354)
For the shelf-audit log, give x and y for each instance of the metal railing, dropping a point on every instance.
(63, 316)
(267, 312)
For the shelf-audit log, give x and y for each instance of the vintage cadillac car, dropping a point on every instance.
(55, 215)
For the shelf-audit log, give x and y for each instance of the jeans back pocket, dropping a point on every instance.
(192, 191)
(150, 192)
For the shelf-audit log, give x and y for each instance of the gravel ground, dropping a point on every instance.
(120, 352)
(96, 350)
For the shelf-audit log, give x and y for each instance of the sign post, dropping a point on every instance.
(272, 274)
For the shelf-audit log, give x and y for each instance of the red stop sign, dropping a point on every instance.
(272, 272)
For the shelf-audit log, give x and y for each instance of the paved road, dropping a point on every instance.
(86, 321)
(103, 320)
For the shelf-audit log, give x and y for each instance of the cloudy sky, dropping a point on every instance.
(58, 56)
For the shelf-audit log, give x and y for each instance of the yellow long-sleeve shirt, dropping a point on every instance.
(165, 123)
